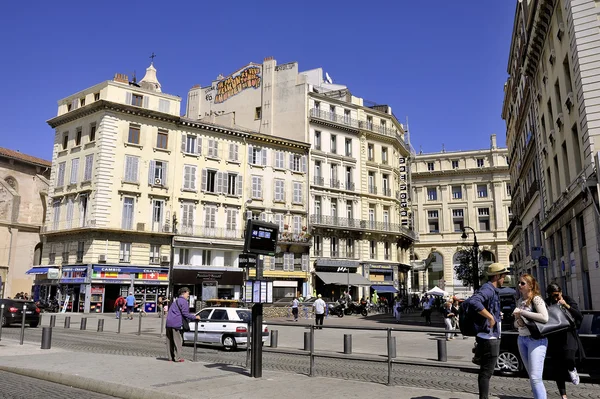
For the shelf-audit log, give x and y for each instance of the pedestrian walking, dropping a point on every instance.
(119, 303)
(532, 351)
(398, 309)
(455, 310)
(178, 311)
(427, 304)
(563, 346)
(486, 302)
(295, 304)
(448, 320)
(130, 304)
(319, 306)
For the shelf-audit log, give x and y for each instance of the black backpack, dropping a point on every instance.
(466, 319)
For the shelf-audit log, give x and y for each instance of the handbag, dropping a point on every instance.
(185, 323)
(558, 320)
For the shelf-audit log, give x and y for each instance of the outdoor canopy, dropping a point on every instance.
(384, 288)
(38, 270)
(437, 291)
(343, 278)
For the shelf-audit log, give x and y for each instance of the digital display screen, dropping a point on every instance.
(261, 237)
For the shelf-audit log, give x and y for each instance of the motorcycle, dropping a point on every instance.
(51, 306)
(337, 308)
(356, 308)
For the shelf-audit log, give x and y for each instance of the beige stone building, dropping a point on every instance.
(550, 110)
(23, 202)
(452, 190)
(140, 194)
(358, 198)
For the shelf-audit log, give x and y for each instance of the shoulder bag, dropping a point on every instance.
(185, 323)
(558, 320)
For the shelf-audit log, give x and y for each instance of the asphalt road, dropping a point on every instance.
(449, 379)
(15, 386)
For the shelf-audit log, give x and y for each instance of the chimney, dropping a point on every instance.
(493, 142)
(120, 77)
(270, 58)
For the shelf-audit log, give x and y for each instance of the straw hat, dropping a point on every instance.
(495, 269)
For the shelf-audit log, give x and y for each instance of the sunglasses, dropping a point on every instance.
(522, 283)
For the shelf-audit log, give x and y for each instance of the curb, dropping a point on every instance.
(89, 384)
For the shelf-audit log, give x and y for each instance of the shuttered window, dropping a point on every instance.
(189, 177)
(89, 164)
(60, 176)
(131, 169)
(127, 217)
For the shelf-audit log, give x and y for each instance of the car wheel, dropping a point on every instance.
(508, 363)
(34, 324)
(229, 343)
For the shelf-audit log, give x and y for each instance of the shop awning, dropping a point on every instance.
(384, 288)
(129, 269)
(342, 278)
(38, 270)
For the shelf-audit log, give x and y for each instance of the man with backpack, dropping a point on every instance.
(484, 312)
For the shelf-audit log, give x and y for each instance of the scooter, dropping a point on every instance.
(337, 308)
(356, 308)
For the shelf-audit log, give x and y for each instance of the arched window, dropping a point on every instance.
(11, 181)
(487, 258)
(435, 270)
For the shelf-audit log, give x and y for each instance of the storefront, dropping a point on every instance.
(209, 283)
(73, 283)
(384, 279)
(46, 283)
(335, 276)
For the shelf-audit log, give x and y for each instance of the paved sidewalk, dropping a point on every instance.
(142, 377)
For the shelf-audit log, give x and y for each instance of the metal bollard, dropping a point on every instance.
(274, 338)
(1, 318)
(68, 322)
(162, 321)
(46, 338)
(248, 345)
(195, 338)
(100, 325)
(52, 321)
(347, 344)
(140, 325)
(393, 343)
(311, 369)
(389, 357)
(23, 324)
(307, 341)
(119, 326)
(441, 349)
(83, 325)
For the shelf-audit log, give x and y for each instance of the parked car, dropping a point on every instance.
(13, 312)
(509, 360)
(220, 326)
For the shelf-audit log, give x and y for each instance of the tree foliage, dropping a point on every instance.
(464, 266)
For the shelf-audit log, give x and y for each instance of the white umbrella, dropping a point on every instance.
(437, 291)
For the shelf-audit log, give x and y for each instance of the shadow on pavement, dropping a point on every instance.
(426, 397)
(164, 359)
(228, 367)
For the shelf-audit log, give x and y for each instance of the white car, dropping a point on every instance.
(218, 327)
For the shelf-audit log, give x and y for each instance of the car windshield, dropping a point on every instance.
(244, 315)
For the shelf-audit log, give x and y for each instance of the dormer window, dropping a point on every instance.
(137, 100)
(82, 102)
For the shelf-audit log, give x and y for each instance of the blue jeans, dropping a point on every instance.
(533, 353)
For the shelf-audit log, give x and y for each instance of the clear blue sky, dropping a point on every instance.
(441, 63)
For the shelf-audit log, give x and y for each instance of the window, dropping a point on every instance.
(78, 137)
(318, 211)
(206, 261)
(125, 252)
(137, 100)
(82, 101)
(347, 116)
(370, 152)
(164, 105)
(387, 255)
(134, 134)
(279, 190)
(349, 183)
(371, 181)
(373, 249)
(213, 148)
(80, 251)
(454, 164)
(297, 224)
(154, 254)
(191, 144)
(431, 194)
(332, 112)
(131, 169)
(370, 122)
(334, 247)
(89, 163)
(430, 166)
(127, 217)
(189, 177)
(232, 215)
(65, 253)
(386, 218)
(433, 221)
(279, 159)
(297, 199)
(162, 139)
(96, 96)
(508, 189)
(92, 135)
(212, 181)
(349, 248)
(258, 113)
(298, 163)
(56, 214)
(83, 203)
(458, 219)
(480, 162)
(570, 238)
(484, 219)
(234, 184)
(384, 155)
(334, 176)
(70, 206)
(317, 140)
(318, 246)
(257, 156)
(256, 187)
(317, 106)
(333, 144)
(510, 214)
(65, 142)
(348, 146)
(456, 192)
(482, 191)
(184, 256)
(60, 176)
(187, 217)
(234, 152)
(371, 217)
(210, 217)
(334, 209)
(74, 170)
(349, 209)
(158, 207)
(386, 185)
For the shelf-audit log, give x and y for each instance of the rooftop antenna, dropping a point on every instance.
(443, 147)
(420, 149)
(134, 80)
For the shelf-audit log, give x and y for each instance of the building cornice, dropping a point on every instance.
(459, 172)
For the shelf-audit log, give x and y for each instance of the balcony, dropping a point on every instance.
(343, 254)
(319, 181)
(335, 183)
(65, 257)
(387, 257)
(384, 130)
(387, 192)
(362, 224)
(333, 117)
(372, 189)
(294, 238)
(79, 257)
(530, 193)
(211, 232)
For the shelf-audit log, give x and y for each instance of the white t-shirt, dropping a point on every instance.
(319, 306)
(295, 303)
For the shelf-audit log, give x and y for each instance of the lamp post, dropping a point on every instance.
(475, 256)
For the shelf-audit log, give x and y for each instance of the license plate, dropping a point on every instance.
(29, 312)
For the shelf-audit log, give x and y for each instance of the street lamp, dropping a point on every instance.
(475, 256)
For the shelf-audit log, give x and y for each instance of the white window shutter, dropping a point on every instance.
(272, 264)
(219, 182)
(164, 174)
(291, 158)
(259, 185)
(193, 177)
(128, 98)
(250, 154)
(263, 216)
(199, 146)
(183, 142)
(216, 148)
(240, 185)
(146, 101)
(305, 261)
(204, 179)
(136, 161)
(151, 172)
(231, 152)
(304, 166)
(264, 157)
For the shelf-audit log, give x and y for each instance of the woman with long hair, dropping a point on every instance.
(563, 346)
(532, 351)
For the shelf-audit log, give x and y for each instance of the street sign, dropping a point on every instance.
(543, 261)
(247, 260)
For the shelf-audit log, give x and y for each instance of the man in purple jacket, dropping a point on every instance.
(179, 309)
